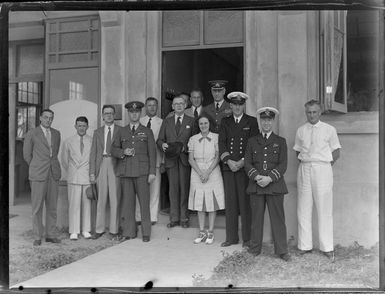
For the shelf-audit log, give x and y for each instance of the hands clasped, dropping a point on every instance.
(204, 176)
(235, 165)
(129, 151)
(262, 181)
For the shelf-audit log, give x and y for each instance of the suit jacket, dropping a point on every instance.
(97, 148)
(156, 123)
(167, 134)
(267, 158)
(143, 162)
(190, 112)
(77, 164)
(233, 137)
(36, 153)
(217, 116)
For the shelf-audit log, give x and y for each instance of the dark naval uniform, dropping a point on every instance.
(267, 158)
(218, 115)
(233, 139)
(133, 171)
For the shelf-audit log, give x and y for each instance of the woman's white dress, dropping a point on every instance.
(207, 196)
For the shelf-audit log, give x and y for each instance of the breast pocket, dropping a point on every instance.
(275, 154)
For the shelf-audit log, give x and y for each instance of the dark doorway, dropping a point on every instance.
(184, 70)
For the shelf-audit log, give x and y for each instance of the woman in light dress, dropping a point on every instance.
(206, 188)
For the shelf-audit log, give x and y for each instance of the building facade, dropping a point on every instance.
(74, 62)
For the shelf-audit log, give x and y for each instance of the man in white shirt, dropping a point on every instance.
(317, 147)
(103, 172)
(196, 98)
(152, 121)
(75, 160)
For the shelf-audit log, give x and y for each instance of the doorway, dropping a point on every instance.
(184, 70)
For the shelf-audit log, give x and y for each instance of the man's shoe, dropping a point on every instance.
(145, 238)
(185, 224)
(302, 252)
(153, 223)
(329, 255)
(53, 240)
(127, 238)
(253, 252)
(97, 236)
(86, 235)
(73, 236)
(36, 242)
(246, 244)
(227, 243)
(172, 224)
(285, 257)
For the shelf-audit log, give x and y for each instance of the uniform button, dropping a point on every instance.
(241, 139)
(264, 161)
(241, 143)
(133, 136)
(264, 154)
(240, 152)
(265, 148)
(231, 143)
(231, 147)
(231, 152)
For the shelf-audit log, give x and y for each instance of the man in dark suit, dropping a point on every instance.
(177, 128)
(135, 148)
(234, 133)
(265, 165)
(219, 108)
(41, 146)
(103, 172)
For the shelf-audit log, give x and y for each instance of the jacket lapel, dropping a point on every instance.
(42, 137)
(172, 125)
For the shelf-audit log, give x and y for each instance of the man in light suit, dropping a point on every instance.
(153, 122)
(219, 108)
(196, 98)
(177, 129)
(75, 160)
(103, 172)
(41, 146)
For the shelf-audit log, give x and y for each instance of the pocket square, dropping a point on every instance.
(187, 127)
(247, 128)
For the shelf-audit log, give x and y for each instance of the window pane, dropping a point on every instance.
(223, 27)
(31, 117)
(74, 41)
(95, 40)
(73, 57)
(74, 25)
(52, 27)
(79, 83)
(31, 59)
(52, 43)
(21, 114)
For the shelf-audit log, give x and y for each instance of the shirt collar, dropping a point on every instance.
(181, 117)
(197, 108)
(315, 125)
(45, 129)
(267, 134)
(239, 118)
(220, 103)
(135, 124)
(111, 126)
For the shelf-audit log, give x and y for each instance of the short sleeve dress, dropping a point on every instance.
(207, 196)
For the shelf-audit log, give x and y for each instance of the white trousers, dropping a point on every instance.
(154, 199)
(315, 184)
(78, 204)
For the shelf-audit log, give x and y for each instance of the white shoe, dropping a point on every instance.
(86, 235)
(210, 238)
(73, 236)
(201, 237)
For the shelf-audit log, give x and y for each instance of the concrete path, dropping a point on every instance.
(170, 259)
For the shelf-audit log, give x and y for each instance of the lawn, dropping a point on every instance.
(354, 267)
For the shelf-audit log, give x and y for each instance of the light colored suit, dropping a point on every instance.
(156, 123)
(44, 174)
(77, 166)
(104, 169)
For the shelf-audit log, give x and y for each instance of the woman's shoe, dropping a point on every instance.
(201, 237)
(210, 238)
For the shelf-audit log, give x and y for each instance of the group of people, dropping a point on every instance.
(216, 157)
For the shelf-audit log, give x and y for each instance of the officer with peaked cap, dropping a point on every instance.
(234, 133)
(135, 148)
(219, 108)
(265, 165)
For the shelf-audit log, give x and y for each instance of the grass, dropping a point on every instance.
(27, 261)
(354, 267)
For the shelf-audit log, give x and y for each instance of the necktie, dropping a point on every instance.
(217, 108)
(149, 123)
(265, 136)
(81, 145)
(195, 113)
(48, 137)
(177, 125)
(236, 121)
(133, 129)
(108, 144)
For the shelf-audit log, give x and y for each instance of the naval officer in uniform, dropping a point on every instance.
(234, 133)
(265, 165)
(134, 146)
(219, 108)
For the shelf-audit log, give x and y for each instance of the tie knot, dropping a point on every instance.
(109, 128)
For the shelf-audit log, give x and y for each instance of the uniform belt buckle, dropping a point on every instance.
(264, 166)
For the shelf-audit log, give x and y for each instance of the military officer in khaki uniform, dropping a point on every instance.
(234, 133)
(135, 148)
(219, 108)
(265, 164)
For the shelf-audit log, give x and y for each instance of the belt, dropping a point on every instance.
(106, 155)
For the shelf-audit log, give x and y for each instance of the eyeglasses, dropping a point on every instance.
(108, 113)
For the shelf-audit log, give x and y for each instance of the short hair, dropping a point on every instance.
(183, 93)
(81, 119)
(178, 96)
(198, 91)
(313, 102)
(46, 110)
(209, 118)
(108, 106)
(152, 99)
